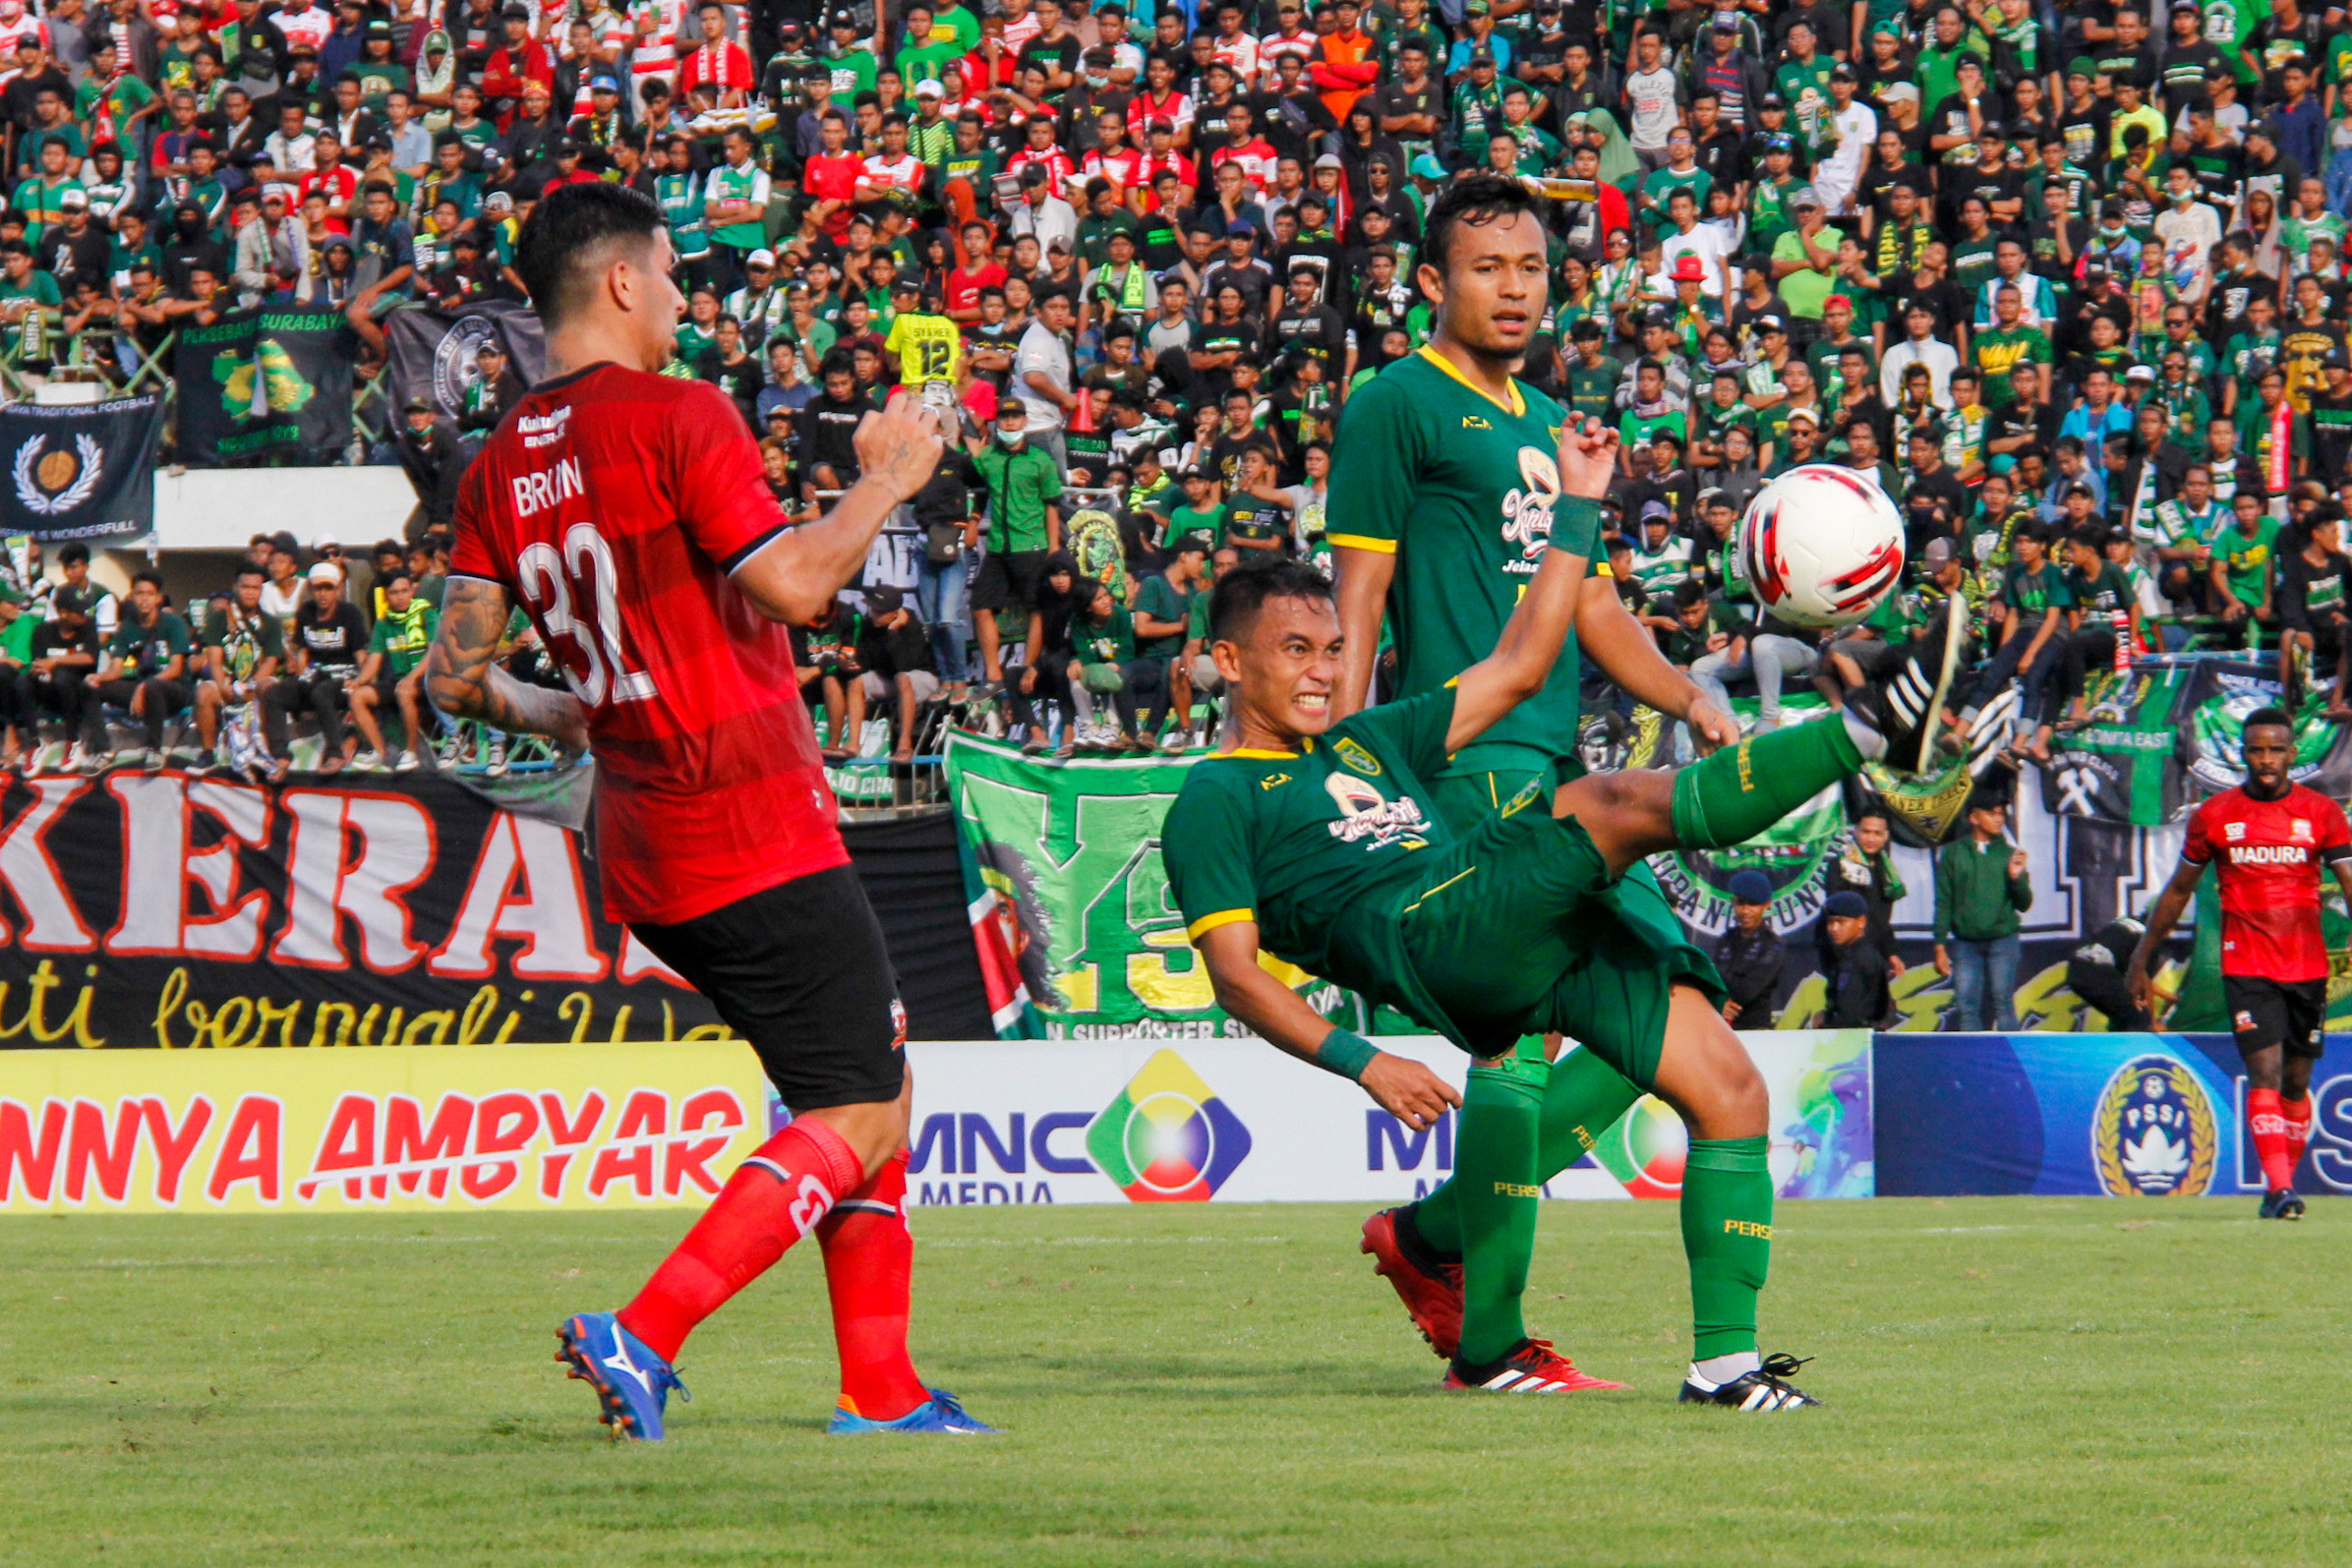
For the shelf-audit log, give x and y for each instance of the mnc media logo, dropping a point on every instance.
(1167, 1139)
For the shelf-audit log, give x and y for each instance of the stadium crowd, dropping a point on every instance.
(2067, 281)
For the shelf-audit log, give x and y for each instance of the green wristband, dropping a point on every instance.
(1576, 526)
(1345, 1053)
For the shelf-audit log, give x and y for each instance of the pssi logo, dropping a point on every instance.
(2154, 1133)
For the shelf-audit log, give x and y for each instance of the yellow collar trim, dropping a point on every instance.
(1517, 406)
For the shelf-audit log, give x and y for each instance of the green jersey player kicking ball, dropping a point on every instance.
(1444, 493)
(1314, 840)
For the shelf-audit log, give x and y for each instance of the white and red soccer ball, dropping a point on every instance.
(1821, 546)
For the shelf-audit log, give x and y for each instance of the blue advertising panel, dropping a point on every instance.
(2083, 1115)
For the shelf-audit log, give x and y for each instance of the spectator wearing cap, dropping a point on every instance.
(1852, 964)
(1804, 264)
(1854, 125)
(519, 59)
(1749, 954)
(1981, 889)
(893, 653)
(430, 453)
(1040, 213)
(1730, 73)
(62, 655)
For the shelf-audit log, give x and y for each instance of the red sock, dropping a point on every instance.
(2267, 1119)
(869, 1272)
(2298, 1115)
(774, 1198)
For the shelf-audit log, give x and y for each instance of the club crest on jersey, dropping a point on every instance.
(1366, 814)
(2154, 1133)
(1528, 506)
(2233, 831)
(1356, 757)
(2300, 830)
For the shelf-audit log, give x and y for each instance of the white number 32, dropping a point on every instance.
(571, 592)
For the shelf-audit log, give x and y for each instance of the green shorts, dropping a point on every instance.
(1527, 932)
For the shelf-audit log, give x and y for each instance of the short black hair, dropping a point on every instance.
(565, 232)
(1473, 199)
(2269, 715)
(1242, 593)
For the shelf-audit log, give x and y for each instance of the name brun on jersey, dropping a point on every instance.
(541, 489)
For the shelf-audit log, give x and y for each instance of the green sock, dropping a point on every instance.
(1494, 1174)
(1584, 1099)
(1727, 1235)
(1738, 793)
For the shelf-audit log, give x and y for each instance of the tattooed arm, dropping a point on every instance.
(464, 680)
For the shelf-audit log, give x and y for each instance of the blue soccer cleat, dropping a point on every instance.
(939, 1414)
(632, 1384)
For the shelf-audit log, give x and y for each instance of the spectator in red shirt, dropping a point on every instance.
(521, 59)
(718, 63)
(977, 271)
(830, 179)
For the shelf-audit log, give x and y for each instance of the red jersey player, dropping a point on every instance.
(2269, 836)
(626, 512)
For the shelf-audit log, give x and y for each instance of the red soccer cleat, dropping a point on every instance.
(1431, 1292)
(1534, 1368)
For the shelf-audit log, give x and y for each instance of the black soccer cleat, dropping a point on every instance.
(2282, 1205)
(1764, 1391)
(1908, 710)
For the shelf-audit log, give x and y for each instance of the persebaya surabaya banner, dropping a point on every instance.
(1077, 933)
(162, 910)
(258, 382)
(81, 470)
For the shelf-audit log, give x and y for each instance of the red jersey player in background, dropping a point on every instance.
(628, 515)
(2269, 836)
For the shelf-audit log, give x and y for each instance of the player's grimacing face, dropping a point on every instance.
(1285, 667)
(1492, 285)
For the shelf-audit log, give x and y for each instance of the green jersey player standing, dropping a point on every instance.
(1443, 495)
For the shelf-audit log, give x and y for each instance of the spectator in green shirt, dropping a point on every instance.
(388, 671)
(1024, 526)
(2244, 562)
(2036, 599)
(1980, 889)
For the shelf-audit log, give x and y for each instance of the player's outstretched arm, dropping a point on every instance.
(796, 574)
(1400, 1086)
(1532, 638)
(2170, 904)
(463, 680)
(1627, 652)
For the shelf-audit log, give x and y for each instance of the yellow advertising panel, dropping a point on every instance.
(426, 1127)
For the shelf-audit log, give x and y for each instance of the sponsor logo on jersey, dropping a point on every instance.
(1472, 421)
(2154, 1131)
(1273, 780)
(2233, 831)
(1356, 757)
(1365, 813)
(1528, 507)
(2269, 855)
(2300, 830)
(544, 430)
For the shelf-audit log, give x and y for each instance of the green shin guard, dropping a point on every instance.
(1583, 1100)
(1727, 1235)
(1494, 1186)
(1738, 793)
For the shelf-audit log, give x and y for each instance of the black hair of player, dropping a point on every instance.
(1476, 200)
(2268, 718)
(1241, 593)
(569, 230)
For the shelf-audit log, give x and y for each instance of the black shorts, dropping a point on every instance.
(800, 972)
(1009, 580)
(2281, 1012)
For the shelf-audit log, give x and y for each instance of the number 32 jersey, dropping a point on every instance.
(613, 505)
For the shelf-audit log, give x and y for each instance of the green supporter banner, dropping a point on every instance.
(1078, 936)
(2163, 734)
(260, 383)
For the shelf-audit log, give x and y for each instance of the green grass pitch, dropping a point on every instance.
(2011, 1381)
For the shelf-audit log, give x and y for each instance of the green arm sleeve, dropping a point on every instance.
(1943, 894)
(1205, 846)
(1378, 450)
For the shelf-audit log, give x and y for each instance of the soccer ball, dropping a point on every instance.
(1821, 546)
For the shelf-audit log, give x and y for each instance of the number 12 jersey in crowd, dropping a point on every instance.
(613, 505)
